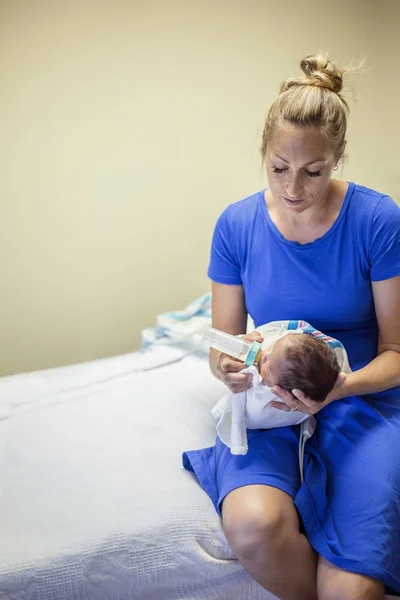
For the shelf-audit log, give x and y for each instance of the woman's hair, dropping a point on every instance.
(313, 99)
(309, 365)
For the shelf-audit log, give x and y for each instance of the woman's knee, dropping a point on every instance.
(336, 584)
(258, 520)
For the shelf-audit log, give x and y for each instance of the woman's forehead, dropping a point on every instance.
(291, 142)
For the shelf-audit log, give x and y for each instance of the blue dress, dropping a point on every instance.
(349, 502)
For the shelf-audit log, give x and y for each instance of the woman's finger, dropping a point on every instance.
(280, 406)
(238, 379)
(236, 386)
(305, 399)
(253, 336)
(229, 365)
(300, 407)
(239, 389)
(234, 377)
(290, 401)
(284, 395)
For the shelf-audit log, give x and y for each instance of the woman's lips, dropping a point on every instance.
(293, 201)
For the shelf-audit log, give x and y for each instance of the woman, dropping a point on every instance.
(328, 252)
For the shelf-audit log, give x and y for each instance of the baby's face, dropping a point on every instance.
(270, 363)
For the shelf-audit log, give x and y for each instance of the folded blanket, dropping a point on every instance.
(185, 325)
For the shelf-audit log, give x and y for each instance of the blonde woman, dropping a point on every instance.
(328, 252)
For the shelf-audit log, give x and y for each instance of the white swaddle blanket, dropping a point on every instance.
(251, 409)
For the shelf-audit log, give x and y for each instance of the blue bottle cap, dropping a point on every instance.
(252, 354)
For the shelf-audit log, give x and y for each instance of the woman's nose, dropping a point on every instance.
(294, 188)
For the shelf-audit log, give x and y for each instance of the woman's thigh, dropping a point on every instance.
(272, 461)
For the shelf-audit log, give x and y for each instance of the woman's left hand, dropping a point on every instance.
(297, 400)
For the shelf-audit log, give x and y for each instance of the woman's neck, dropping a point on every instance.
(313, 222)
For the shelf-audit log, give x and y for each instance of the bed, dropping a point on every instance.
(94, 502)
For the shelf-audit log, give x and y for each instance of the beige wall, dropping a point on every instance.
(126, 127)
(385, 63)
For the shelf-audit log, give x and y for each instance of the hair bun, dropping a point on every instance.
(321, 72)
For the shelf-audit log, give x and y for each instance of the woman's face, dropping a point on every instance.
(299, 165)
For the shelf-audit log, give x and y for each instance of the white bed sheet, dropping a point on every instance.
(94, 502)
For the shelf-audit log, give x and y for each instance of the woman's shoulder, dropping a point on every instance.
(238, 215)
(367, 207)
(369, 200)
(376, 221)
(245, 206)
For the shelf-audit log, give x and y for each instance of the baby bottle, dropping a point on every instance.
(247, 352)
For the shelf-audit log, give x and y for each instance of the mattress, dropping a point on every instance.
(94, 503)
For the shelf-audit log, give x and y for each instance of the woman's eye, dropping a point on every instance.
(278, 171)
(314, 174)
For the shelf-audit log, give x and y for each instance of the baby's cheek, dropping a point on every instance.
(264, 373)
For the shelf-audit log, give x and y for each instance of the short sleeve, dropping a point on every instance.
(224, 266)
(385, 240)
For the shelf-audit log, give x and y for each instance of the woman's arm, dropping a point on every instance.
(383, 372)
(228, 314)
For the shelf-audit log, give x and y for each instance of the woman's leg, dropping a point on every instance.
(262, 527)
(336, 584)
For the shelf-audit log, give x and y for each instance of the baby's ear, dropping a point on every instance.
(340, 379)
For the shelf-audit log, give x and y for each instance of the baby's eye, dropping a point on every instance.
(278, 171)
(314, 174)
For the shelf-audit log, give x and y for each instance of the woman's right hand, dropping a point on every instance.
(229, 369)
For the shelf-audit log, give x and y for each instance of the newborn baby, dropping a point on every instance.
(297, 356)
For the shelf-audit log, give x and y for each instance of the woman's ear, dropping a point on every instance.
(341, 156)
(340, 379)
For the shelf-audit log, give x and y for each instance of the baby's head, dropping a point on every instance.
(302, 362)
